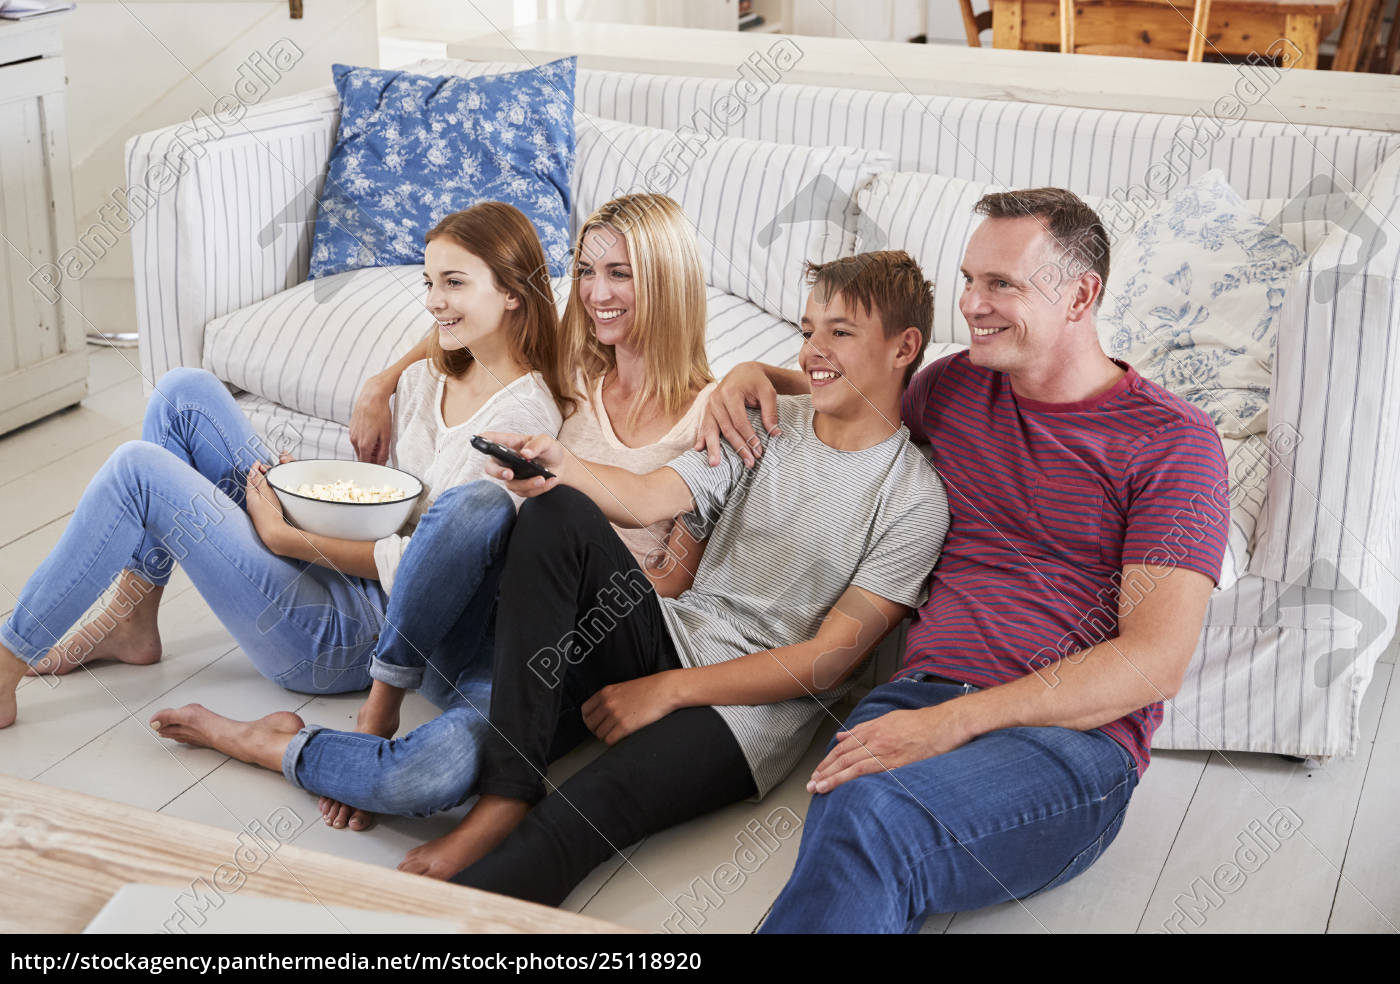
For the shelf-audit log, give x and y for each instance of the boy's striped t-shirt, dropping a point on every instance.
(1048, 503)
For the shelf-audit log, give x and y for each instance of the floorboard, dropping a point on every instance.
(1285, 878)
(1368, 893)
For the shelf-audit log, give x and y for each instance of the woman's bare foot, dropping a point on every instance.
(339, 815)
(125, 630)
(481, 830)
(261, 742)
(12, 670)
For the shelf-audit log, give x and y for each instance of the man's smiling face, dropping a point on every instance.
(1015, 326)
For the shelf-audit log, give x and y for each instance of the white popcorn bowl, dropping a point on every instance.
(343, 520)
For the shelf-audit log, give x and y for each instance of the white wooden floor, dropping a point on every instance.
(87, 732)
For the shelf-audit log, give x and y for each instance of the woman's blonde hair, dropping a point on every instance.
(506, 241)
(668, 320)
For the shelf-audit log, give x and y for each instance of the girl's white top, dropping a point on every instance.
(442, 456)
(589, 434)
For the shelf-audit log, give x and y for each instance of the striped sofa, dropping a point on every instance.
(1289, 645)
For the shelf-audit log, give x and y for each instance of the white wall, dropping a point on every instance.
(869, 20)
(713, 14)
(142, 65)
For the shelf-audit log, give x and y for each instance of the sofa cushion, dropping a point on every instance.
(310, 348)
(1193, 298)
(759, 210)
(414, 148)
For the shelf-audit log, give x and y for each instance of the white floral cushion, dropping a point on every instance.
(1192, 302)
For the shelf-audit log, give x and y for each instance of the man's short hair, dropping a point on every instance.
(1074, 228)
(888, 284)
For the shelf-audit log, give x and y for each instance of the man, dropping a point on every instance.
(713, 696)
(1090, 518)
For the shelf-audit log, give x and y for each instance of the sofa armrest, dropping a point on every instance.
(223, 209)
(1334, 416)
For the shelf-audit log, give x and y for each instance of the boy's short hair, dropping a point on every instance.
(1076, 231)
(888, 282)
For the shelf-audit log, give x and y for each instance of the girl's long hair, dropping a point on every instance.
(505, 240)
(668, 322)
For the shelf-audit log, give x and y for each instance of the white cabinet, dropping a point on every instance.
(43, 353)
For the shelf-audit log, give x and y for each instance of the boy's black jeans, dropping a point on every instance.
(576, 614)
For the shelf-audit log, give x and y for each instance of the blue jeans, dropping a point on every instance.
(1009, 814)
(177, 496)
(438, 639)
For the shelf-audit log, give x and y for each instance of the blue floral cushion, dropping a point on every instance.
(414, 148)
(1193, 299)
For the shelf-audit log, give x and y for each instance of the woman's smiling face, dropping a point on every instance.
(605, 285)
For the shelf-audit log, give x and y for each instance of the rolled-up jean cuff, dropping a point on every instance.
(156, 578)
(293, 753)
(530, 793)
(19, 646)
(405, 677)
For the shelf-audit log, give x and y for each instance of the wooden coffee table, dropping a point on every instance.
(1291, 28)
(63, 855)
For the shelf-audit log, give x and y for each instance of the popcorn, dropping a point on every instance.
(343, 491)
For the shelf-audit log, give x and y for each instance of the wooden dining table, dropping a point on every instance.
(1291, 29)
(64, 854)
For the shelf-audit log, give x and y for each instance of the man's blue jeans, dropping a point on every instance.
(1009, 814)
(438, 639)
(177, 496)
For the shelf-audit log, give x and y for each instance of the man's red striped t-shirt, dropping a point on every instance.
(1049, 501)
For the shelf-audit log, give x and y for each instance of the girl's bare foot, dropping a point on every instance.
(125, 630)
(481, 830)
(12, 670)
(339, 815)
(379, 716)
(261, 742)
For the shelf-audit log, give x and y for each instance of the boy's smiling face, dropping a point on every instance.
(851, 366)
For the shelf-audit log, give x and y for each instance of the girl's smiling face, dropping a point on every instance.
(462, 295)
(605, 284)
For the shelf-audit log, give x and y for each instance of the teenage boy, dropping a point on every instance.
(1090, 519)
(713, 696)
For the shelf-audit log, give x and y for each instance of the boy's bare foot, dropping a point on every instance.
(261, 742)
(125, 630)
(12, 670)
(481, 830)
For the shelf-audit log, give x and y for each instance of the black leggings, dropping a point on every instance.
(576, 614)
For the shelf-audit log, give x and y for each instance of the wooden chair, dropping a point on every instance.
(975, 24)
(1359, 48)
(1199, 17)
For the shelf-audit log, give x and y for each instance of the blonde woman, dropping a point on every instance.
(634, 332)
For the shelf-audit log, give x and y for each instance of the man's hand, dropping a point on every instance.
(539, 448)
(372, 423)
(264, 508)
(746, 386)
(889, 741)
(618, 710)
